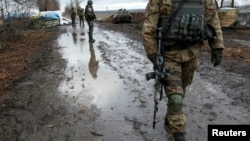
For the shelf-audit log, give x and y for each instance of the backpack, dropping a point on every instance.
(73, 11)
(89, 12)
(81, 12)
(187, 21)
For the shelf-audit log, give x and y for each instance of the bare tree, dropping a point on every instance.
(16, 8)
(48, 5)
(67, 10)
(73, 3)
(78, 3)
(14, 14)
(221, 3)
(232, 3)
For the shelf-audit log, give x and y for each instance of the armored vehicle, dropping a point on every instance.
(122, 16)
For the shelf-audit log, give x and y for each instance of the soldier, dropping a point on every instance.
(90, 17)
(73, 15)
(81, 16)
(183, 41)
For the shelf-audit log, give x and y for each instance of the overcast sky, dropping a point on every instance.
(112, 4)
(128, 4)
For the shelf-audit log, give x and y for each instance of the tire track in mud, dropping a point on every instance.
(125, 56)
(211, 95)
(213, 98)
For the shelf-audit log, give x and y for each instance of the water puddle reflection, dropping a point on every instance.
(101, 74)
(88, 80)
(242, 42)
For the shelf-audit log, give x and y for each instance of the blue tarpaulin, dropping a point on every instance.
(51, 16)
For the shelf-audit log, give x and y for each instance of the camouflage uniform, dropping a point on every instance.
(90, 17)
(180, 62)
(81, 16)
(73, 15)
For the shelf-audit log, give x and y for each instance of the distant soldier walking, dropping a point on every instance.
(81, 16)
(90, 17)
(73, 15)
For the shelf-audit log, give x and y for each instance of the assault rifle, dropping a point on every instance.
(159, 72)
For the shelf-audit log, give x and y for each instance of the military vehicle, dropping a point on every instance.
(122, 16)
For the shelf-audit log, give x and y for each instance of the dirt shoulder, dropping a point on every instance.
(30, 67)
(25, 55)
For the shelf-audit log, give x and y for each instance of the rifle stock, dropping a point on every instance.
(159, 72)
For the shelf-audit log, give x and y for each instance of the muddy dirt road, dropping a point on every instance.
(98, 92)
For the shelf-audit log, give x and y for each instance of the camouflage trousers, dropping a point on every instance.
(81, 18)
(91, 28)
(73, 18)
(181, 65)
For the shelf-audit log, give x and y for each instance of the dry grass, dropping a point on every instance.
(103, 17)
(17, 58)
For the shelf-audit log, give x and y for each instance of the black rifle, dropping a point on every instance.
(159, 72)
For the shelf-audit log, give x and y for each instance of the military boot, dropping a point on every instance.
(91, 38)
(173, 136)
(179, 137)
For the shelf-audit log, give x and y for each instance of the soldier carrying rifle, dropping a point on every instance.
(186, 24)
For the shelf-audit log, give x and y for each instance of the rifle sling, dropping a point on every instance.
(173, 14)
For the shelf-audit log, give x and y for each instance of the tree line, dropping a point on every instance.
(22, 8)
(233, 3)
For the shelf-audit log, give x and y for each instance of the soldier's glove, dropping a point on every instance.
(216, 56)
(152, 58)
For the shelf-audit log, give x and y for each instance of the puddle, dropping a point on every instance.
(242, 42)
(102, 74)
(89, 80)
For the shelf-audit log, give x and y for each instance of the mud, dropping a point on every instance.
(64, 100)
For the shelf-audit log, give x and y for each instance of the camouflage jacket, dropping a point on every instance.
(157, 8)
(73, 11)
(89, 13)
(81, 12)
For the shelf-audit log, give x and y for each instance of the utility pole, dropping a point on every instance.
(221, 3)
(232, 3)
